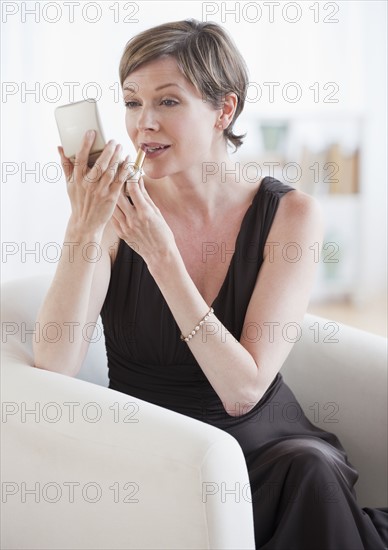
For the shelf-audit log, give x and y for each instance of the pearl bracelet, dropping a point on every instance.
(197, 327)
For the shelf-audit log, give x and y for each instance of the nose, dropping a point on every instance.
(147, 119)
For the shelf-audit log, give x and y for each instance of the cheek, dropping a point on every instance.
(129, 123)
(199, 132)
(198, 126)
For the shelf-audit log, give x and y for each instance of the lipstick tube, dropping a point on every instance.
(136, 169)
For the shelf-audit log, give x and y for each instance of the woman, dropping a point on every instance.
(189, 324)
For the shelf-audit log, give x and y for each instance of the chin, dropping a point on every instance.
(158, 173)
(155, 175)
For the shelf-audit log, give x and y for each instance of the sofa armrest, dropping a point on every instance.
(86, 467)
(339, 375)
(107, 470)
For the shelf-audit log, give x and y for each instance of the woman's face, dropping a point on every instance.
(165, 112)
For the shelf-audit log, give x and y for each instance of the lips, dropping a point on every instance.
(153, 146)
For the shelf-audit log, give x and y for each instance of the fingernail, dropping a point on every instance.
(90, 133)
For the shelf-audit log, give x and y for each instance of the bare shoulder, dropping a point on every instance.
(299, 216)
(297, 205)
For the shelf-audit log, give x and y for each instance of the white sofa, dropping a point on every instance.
(87, 467)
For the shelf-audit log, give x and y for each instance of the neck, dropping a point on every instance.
(203, 191)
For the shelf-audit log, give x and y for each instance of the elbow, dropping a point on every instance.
(49, 359)
(51, 366)
(239, 409)
(243, 404)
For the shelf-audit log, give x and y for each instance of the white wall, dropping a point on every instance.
(351, 52)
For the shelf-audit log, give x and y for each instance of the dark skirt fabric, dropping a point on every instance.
(302, 482)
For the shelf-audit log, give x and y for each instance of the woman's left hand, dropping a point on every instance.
(141, 224)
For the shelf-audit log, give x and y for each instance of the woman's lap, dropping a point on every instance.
(303, 499)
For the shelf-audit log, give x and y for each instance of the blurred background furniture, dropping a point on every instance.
(86, 467)
(316, 112)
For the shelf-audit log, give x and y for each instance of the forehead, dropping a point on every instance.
(159, 71)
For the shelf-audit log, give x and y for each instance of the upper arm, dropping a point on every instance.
(273, 321)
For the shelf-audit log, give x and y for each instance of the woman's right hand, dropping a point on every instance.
(94, 192)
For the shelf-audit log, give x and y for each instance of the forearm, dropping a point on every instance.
(65, 308)
(229, 367)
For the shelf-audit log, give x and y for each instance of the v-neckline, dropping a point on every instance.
(238, 238)
(225, 281)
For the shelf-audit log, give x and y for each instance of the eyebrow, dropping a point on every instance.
(131, 88)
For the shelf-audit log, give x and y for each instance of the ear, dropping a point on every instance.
(228, 109)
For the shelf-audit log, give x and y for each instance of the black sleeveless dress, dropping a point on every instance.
(301, 480)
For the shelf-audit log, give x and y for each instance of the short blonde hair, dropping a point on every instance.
(206, 55)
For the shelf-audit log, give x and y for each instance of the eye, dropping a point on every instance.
(131, 104)
(169, 102)
(165, 102)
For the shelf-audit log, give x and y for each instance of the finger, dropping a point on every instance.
(103, 162)
(145, 194)
(134, 191)
(121, 176)
(66, 163)
(82, 156)
(119, 215)
(125, 203)
(144, 190)
(133, 173)
(124, 173)
(110, 174)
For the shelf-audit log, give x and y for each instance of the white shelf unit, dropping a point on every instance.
(329, 139)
